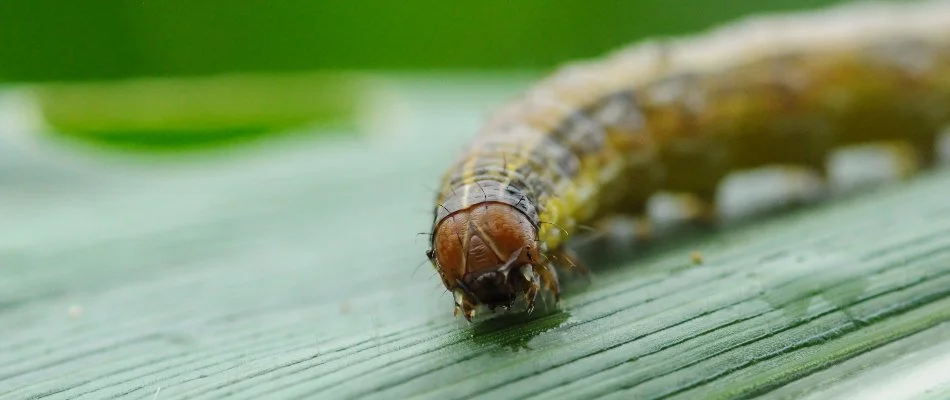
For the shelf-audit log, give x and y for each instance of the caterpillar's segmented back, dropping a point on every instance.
(598, 138)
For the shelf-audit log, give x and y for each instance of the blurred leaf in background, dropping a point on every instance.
(162, 112)
(62, 42)
(68, 40)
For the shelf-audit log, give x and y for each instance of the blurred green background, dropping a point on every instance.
(43, 40)
(88, 58)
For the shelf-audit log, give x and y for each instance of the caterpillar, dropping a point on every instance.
(598, 138)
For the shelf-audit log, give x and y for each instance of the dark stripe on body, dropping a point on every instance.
(490, 191)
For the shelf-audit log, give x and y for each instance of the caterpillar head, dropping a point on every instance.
(486, 255)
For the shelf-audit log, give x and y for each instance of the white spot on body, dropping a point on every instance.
(746, 193)
(858, 166)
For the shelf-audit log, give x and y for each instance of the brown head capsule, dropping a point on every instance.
(487, 254)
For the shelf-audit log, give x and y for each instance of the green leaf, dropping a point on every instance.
(289, 270)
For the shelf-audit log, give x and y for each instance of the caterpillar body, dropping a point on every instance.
(598, 138)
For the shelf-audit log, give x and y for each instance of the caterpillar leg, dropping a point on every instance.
(533, 281)
(463, 305)
(616, 234)
(617, 229)
(537, 277)
(746, 193)
(549, 281)
(860, 165)
(567, 259)
(628, 228)
(696, 208)
(700, 208)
